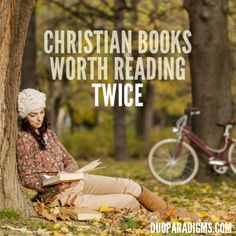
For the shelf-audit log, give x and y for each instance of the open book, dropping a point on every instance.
(68, 177)
(90, 166)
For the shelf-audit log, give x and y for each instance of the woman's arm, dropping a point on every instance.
(26, 168)
(69, 162)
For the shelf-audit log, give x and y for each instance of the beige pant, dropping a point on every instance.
(96, 191)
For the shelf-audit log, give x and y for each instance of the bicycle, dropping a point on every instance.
(175, 162)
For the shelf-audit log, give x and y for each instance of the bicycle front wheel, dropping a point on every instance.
(232, 157)
(173, 162)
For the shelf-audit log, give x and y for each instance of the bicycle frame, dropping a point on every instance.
(222, 154)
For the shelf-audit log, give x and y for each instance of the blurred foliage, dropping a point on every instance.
(87, 143)
(98, 142)
(92, 131)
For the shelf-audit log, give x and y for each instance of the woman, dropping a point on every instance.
(40, 152)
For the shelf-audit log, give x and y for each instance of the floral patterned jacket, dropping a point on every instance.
(33, 163)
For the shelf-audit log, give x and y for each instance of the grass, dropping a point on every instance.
(130, 223)
(9, 214)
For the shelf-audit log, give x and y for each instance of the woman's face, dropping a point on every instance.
(36, 117)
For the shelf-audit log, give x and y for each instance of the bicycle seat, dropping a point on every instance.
(230, 122)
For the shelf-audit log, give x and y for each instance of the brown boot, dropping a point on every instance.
(154, 203)
(151, 201)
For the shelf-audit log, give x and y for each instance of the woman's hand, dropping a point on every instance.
(62, 186)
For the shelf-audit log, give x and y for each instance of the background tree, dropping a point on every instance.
(15, 16)
(120, 138)
(145, 114)
(29, 78)
(211, 71)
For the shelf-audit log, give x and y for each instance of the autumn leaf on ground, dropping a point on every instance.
(22, 230)
(202, 214)
(40, 208)
(68, 213)
(106, 208)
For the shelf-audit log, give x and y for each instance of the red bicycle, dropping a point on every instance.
(175, 162)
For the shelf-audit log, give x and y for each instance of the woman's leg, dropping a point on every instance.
(97, 185)
(96, 191)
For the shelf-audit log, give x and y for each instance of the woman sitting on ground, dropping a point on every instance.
(39, 153)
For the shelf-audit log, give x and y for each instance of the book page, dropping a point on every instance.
(61, 178)
(90, 166)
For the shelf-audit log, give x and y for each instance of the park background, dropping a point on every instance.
(122, 137)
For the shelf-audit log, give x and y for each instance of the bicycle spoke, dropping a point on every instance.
(166, 173)
(168, 154)
(159, 160)
(165, 155)
(171, 151)
(163, 169)
(184, 156)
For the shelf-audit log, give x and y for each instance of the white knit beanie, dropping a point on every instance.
(30, 100)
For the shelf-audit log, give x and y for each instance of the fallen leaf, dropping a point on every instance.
(171, 211)
(43, 232)
(64, 229)
(215, 218)
(68, 213)
(106, 208)
(40, 208)
(22, 230)
(58, 234)
(49, 216)
(202, 214)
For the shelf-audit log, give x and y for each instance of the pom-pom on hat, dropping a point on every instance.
(30, 100)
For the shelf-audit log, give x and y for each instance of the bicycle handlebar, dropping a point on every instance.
(195, 113)
(182, 121)
(189, 110)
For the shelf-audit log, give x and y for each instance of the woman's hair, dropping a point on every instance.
(25, 125)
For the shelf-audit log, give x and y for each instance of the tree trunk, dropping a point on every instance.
(210, 71)
(53, 111)
(29, 79)
(144, 115)
(120, 139)
(56, 95)
(15, 16)
(148, 109)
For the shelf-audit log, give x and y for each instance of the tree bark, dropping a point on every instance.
(210, 71)
(120, 139)
(15, 16)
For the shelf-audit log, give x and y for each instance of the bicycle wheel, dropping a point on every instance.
(173, 163)
(232, 157)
